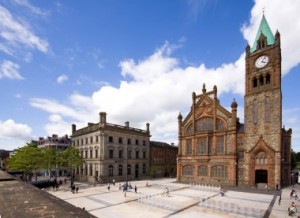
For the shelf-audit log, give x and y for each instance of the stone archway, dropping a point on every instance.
(262, 168)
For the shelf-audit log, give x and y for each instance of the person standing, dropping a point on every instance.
(108, 187)
(135, 189)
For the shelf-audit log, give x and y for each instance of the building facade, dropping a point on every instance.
(59, 144)
(214, 147)
(162, 159)
(112, 151)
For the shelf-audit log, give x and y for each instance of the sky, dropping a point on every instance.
(63, 62)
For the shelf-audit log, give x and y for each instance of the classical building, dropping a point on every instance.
(59, 144)
(112, 151)
(162, 159)
(214, 147)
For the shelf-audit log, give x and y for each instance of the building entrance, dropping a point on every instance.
(261, 176)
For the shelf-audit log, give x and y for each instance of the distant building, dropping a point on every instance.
(59, 144)
(4, 156)
(112, 151)
(162, 159)
(214, 147)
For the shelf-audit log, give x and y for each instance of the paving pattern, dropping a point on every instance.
(167, 198)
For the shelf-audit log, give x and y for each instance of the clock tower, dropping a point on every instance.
(263, 109)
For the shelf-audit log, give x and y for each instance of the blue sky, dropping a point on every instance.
(62, 62)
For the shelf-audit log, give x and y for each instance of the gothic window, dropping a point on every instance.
(189, 130)
(188, 170)
(254, 83)
(110, 171)
(120, 170)
(255, 111)
(220, 145)
(209, 144)
(188, 147)
(219, 172)
(268, 79)
(267, 110)
(261, 80)
(204, 124)
(202, 170)
(201, 145)
(220, 125)
(261, 158)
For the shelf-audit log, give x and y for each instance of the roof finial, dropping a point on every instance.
(263, 10)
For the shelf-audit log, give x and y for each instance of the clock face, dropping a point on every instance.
(262, 61)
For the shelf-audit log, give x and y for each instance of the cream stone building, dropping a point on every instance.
(112, 151)
(214, 147)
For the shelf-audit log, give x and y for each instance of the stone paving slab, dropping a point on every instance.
(103, 203)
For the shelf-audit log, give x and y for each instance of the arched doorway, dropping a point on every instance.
(261, 176)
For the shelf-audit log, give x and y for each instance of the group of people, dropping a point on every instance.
(74, 189)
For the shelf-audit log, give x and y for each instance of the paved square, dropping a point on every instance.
(182, 200)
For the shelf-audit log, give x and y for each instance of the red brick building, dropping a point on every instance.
(214, 147)
(162, 159)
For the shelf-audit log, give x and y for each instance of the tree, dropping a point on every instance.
(293, 160)
(71, 158)
(29, 159)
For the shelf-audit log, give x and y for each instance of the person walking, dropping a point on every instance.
(135, 189)
(108, 187)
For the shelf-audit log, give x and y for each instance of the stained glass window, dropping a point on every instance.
(201, 145)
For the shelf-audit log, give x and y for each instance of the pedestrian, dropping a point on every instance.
(73, 189)
(108, 187)
(114, 182)
(292, 209)
(120, 186)
(135, 189)
(77, 189)
(279, 201)
(266, 187)
(222, 192)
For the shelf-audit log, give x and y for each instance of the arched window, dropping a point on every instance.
(261, 80)
(254, 83)
(120, 170)
(189, 130)
(188, 170)
(201, 145)
(188, 147)
(202, 170)
(220, 125)
(204, 124)
(268, 78)
(267, 109)
(220, 145)
(255, 113)
(110, 171)
(219, 172)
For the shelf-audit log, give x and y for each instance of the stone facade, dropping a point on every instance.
(162, 159)
(112, 151)
(214, 147)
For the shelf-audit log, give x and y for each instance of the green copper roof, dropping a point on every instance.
(263, 29)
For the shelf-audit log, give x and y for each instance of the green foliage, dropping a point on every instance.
(71, 158)
(29, 159)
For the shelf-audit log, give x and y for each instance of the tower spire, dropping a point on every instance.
(265, 30)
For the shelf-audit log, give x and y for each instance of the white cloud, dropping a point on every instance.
(31, 7)
(61, 79)
(16, 34)
(9, 70)
(157, 87)
(11, 129)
